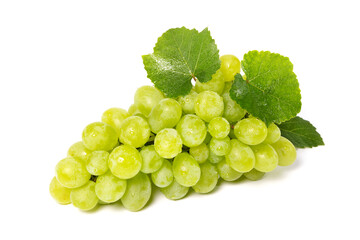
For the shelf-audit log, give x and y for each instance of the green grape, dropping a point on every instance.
(133, 110)
(192, 130)
(240, 158)
(60, 193)
(151, 160)
(114, 117)
(232, 111)
(186, 170)
(138, 192)
(226, 172)
(230, 65)
(286, 151)
(84, 197)
(166, 114)
(209, 105)
(109, 188)
(227, 87)
(273, 134)
(266, 157)
(254, 175)
(216, 84)
(99, 136)
(134, 131)
(71, 173)
(219, 127)
(220, 147)
(146, 97)
(187, 102)
(97, 163)
(168, 143)
(125, 161)
(213, 158)
(251, 131)
(200, 153)
(164, 176)
(78, 151)
(175, 191)
(207, 138)
(208, 178)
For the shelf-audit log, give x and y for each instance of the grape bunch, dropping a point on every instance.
(172, 144)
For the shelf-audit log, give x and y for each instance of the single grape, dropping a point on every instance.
(78, 151)
(251, 131)
(216, 84)
(213, 158)
(192, 130)
(164, 176)
(187, 102)
(254, 175)
(286, 151)
(168, 143)
(219, 127)
(146, 97)
(60, 193)
(125, 161)
(266, 157)
(99, 136)
(230, 65)
(186, 170)
(226, 172)
(200, 153)
(138, 192)
(209, 105)
(134, 131)
(84, 197)
(273, 134)
(97, 163)
(175, 191)
(151, 160)
(109, 188)
(240, 158)
(72, 173)
(220, 147)
(114, 117)
(208, 178)
(166, 114)
(232, 111)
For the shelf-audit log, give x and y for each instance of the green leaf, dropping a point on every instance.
(271, 91)
(301, 133)
(180, 55)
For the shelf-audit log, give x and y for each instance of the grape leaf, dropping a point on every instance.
(301, 133)
(180, 55)
(271, 91)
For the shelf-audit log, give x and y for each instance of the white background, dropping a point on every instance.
(62, 63)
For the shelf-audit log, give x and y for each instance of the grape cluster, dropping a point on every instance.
(171, 144)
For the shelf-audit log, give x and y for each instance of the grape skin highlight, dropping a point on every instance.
(125, 162)
(71, 173)
(99, 136)
(168, 143)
